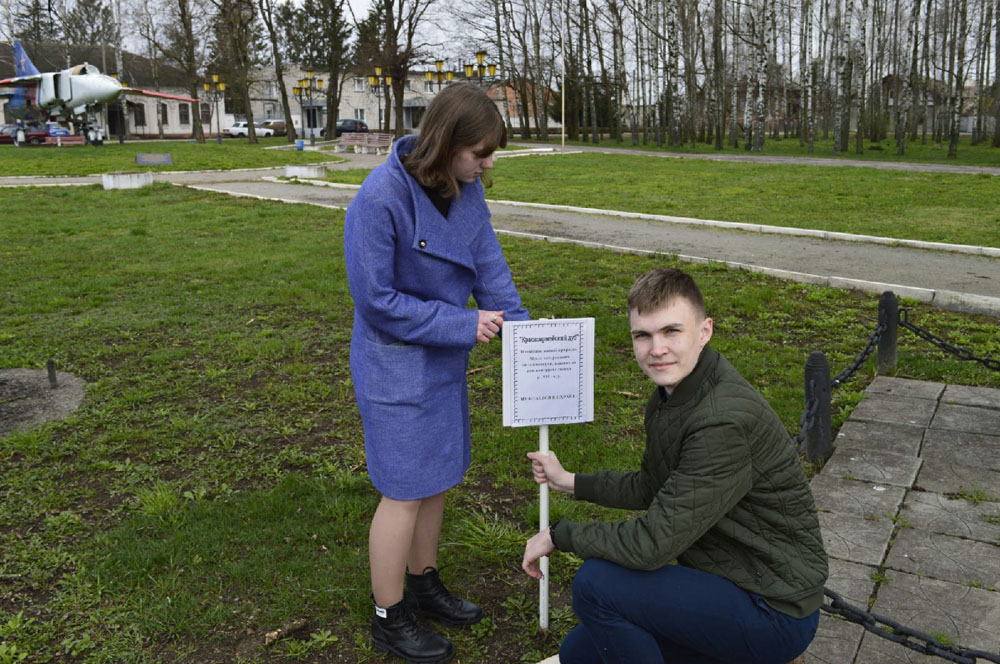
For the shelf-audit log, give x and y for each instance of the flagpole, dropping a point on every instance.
(543, 518)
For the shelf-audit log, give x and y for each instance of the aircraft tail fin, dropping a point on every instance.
(22, 63)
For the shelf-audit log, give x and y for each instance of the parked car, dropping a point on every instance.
(18, 134)
(242, 130)
(348, 126)
(278, 126)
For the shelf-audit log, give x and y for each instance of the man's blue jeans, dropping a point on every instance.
(678, 615)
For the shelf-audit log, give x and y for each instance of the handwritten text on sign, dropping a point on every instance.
(548, 371)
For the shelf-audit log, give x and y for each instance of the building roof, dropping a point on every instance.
(138, 71)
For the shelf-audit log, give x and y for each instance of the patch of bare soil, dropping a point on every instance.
(27, 399)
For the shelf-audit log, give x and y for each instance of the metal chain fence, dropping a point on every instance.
(911, 638)
(957, 351)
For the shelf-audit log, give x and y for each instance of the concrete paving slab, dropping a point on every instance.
(959, 561)
(855, 539)
(881, 436)
(854, 498)
(851, 581)
(968, 449)
(968, 616)
(948, 477)
(836, 641)
(875, 650)
(891, 408)
(986, 397)
(905, 387)
(870, 466)
(971, 419)
(932, 512)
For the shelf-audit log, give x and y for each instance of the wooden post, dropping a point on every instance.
(543, 519)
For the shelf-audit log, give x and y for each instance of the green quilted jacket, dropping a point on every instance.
(723, 492)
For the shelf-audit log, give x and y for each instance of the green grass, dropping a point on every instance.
(935, 207)
(212, 487)
(968, 154)
(187, 156)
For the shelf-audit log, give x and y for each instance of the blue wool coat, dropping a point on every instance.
(411, 272)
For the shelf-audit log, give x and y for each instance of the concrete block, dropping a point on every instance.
(305, 171)
(934, 513)
(855, 539)
(880, 436)
(869, 466)
(890, 408)
(854, 498)
(127, 180)
(836, 641)
(967, 449)
(963, 395)
(948, 477)
(905, 387)
(966, 418)
(853, 582)
(959, 561)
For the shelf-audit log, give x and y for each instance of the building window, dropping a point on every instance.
(206, 114)
(429, 86)
(185, 113)
(359, 114)
(163, 115)
(139, 111)
(359, 84)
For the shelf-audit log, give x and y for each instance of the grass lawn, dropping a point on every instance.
(212, 487)
(971, 155)
(187, 156)
(936, 207)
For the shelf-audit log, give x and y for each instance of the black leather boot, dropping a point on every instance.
(434, 601)
(399, 633)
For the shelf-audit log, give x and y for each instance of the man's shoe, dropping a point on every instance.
(431, 599)
(399, 633)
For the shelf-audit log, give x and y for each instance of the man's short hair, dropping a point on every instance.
(658, 287)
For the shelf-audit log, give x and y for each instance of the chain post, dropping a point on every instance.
(888, 316)
(819, 435)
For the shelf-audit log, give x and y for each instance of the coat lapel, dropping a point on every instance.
(448, 239)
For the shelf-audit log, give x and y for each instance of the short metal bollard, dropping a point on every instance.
(888, 315)
(819, 434)
(50, 366)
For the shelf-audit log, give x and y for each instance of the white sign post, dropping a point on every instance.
(548, 378)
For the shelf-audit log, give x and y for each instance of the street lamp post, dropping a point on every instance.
(377, 82)
(217, 90)
(438, 75)
(307, 88)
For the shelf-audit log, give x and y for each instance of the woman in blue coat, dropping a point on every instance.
(418, 243)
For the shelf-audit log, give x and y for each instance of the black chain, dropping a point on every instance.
(807, 420)
(860, 359)
(902, 635)
(957, 351)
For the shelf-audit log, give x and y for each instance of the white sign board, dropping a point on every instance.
(548, 371)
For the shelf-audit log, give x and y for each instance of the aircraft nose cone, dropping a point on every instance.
(107, 88)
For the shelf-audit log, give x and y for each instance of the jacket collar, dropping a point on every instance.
(449, 238)
(691, 386)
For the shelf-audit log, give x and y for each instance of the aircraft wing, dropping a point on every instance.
(150, 93)
(21, 81)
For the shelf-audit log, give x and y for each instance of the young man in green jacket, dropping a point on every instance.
(724, 496)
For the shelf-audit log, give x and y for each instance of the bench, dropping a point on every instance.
(63, 140)
(377, 144)
(347, 141)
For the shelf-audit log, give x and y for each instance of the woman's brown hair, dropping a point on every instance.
(460, 116)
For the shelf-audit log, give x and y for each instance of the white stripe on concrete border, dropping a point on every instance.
(993, 252)
(551, 660)
(49, 184)
(240, 194)
(952, 300)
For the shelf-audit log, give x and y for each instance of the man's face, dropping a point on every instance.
(467, 164)
(668, 341)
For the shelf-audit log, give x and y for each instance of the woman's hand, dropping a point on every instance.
(489, 325)
(545, 467)
(538, 546)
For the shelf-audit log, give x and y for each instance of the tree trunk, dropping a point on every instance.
(962, 26)
(902, 117)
